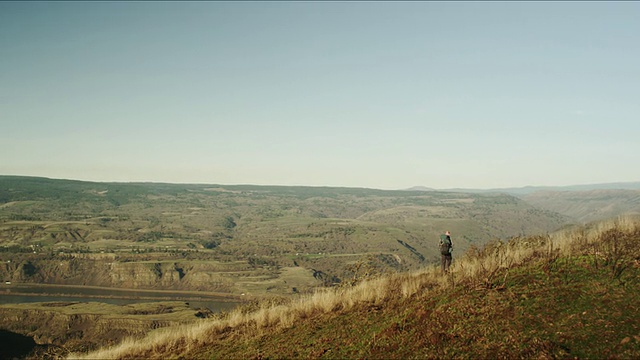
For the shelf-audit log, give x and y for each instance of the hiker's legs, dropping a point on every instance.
(445, 262)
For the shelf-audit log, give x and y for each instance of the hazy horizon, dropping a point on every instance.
(380, 95)
(609, 185)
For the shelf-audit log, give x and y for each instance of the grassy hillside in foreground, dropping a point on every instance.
(569, 295)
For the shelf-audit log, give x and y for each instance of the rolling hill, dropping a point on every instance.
(242, 238)
(589, 205)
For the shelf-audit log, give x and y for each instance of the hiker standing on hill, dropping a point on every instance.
(446, 246)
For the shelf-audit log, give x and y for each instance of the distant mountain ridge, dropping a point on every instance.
(582, 203)
(525, 190)
(420, 188)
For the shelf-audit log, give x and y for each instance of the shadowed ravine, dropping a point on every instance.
(14, 345)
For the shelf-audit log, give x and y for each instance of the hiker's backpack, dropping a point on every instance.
(445, 245)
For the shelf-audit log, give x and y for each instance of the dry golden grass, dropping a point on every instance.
(478, 268)
(567, 241)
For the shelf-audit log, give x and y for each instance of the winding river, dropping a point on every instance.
(27, 293)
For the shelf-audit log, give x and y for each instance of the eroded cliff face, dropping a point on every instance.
(176, 275)
(106, 272)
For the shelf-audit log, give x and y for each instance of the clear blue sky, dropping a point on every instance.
(383, 95)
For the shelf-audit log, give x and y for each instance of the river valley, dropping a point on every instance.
(31, 293)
